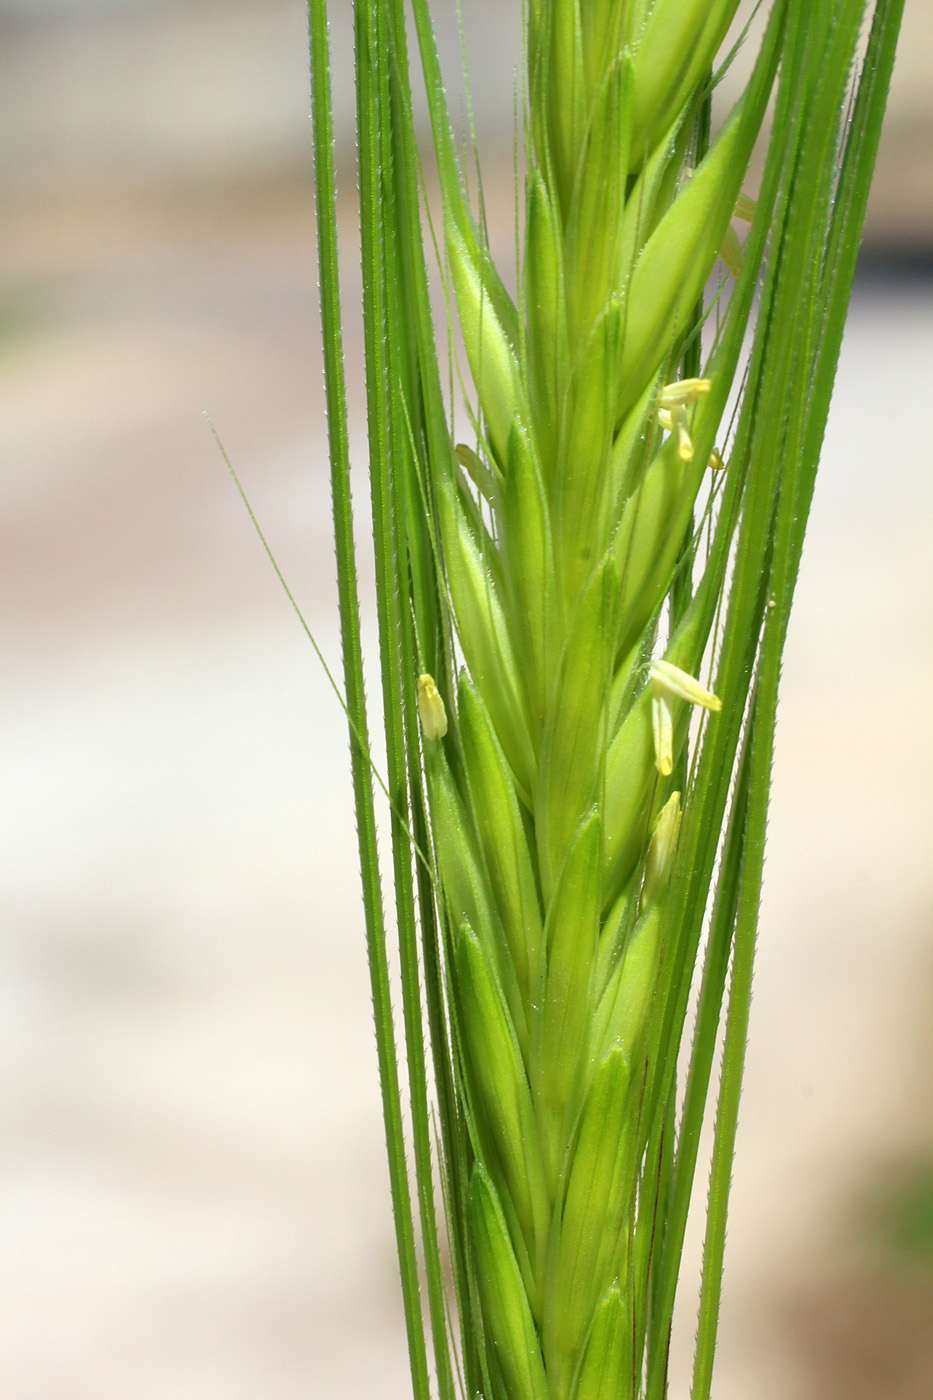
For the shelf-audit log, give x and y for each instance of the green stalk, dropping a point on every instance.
(335, 387)
(388, 447)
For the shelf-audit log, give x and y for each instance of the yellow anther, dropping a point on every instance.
(671, 411)
(682, 391)
(745, 208)
(670, 682)
(431, 709)
(716, 464)
(669, 679)
(730, 250)
(662, 732)
(674, 420)
(661, 850)
(679, 425)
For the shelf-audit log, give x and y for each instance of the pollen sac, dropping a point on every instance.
(669, 682)
(682, 392)
(661, 851)
(745, 207)
(674, 420)
(662, 731)
(431, 709)
(672, 403)
(669, 679)
(730, 250)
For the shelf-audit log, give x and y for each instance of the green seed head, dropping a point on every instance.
(565, 550)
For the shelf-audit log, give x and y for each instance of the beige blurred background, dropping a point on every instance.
(193, 1199)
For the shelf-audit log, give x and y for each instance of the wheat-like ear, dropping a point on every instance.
(581, 625)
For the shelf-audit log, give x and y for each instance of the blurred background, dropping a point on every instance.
(193, 1198)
